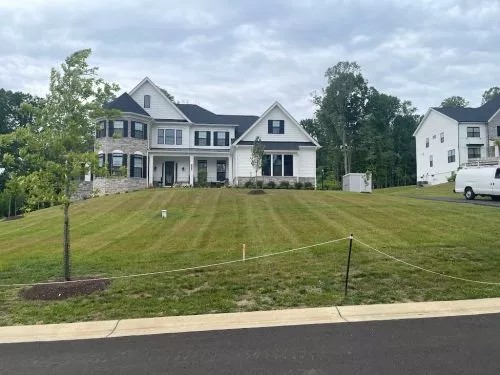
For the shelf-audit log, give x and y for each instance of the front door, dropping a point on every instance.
(221, 170)
(169, 173)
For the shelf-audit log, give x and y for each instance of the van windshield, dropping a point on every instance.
(497, 173)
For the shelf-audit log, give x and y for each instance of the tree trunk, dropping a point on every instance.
(10, 204)
(344, 148)
(66, 243)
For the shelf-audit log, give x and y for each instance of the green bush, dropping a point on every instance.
(452, 177)
(330, 185)
(308, 185)
(271, 185)
(298, 185)
(260, 183)
(284, 185)
(249, 184)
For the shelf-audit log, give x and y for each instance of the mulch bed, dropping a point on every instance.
(256, 192)
(63, 290)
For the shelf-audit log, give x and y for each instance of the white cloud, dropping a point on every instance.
(238, 57)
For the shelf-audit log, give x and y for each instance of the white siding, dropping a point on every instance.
(435, 124)
(292, 132)
(211, 130)
(159, 106)
(243, 166)
(154, 135)
(306, 162)
(464, 141)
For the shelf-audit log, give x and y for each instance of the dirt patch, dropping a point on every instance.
(256, 192)
(60, 291)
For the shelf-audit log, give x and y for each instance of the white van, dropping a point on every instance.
(478, 181)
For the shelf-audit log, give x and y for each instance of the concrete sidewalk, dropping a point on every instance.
(192, 323)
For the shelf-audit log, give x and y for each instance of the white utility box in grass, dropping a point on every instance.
(357, 182)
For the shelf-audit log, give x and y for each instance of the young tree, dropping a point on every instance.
(63, 140)
(257, 156)
(455, 101)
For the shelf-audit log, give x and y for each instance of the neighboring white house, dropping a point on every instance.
(448, 138)
(159, 143)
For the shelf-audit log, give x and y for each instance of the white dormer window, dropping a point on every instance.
(147, 101)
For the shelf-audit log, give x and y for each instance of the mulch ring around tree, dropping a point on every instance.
(60, 291)
(256, 192)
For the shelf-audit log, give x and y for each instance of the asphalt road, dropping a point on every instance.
(477, 202)
(455, 345)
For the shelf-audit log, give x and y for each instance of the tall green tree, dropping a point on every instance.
(455, 101)
(167, 94)
(341, 108)
(64, 135)
(490, 94)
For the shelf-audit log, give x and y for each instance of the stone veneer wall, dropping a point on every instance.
(83, 191)
(115, 185)
(128, 145)
(492, 130)
(276, 179)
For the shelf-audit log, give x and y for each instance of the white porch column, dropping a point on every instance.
(497, 154)
(191, 170)
(230, 169)
(151, 170)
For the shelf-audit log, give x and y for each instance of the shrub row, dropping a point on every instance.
(282, 185)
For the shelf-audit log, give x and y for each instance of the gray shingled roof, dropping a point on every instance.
(479, 114)
(200, 115)
(125, 103)
(278, 146)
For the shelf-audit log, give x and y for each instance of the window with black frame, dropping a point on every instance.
(474, 152)
(473, 132)
(138, 130)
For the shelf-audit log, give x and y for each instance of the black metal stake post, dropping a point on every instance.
(348, 264)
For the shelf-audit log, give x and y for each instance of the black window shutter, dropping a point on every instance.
(132, 159)
(110, 162)
(227, 138)
(196, 138)
(105, 128)
(215, 139)
(132, 129)
(97, 131)
(282, 126)
(208, 138)
(125, 128)
(145, 128)
(144, 166)
(269, 126)
(111, 129)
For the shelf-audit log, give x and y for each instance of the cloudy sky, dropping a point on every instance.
(238, 56)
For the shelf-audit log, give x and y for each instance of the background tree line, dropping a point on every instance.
(361, 129)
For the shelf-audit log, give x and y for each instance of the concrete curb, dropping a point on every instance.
(274, 318)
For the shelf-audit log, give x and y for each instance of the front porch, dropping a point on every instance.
(171, 170)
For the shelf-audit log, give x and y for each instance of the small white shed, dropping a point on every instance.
(357, 182)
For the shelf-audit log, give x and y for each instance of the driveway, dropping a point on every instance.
(477, 202)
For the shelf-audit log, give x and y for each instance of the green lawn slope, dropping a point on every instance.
(124, 234)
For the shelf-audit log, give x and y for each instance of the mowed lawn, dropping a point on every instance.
(124, 234)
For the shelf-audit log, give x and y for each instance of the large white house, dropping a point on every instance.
(448, 138)
(156, 142)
